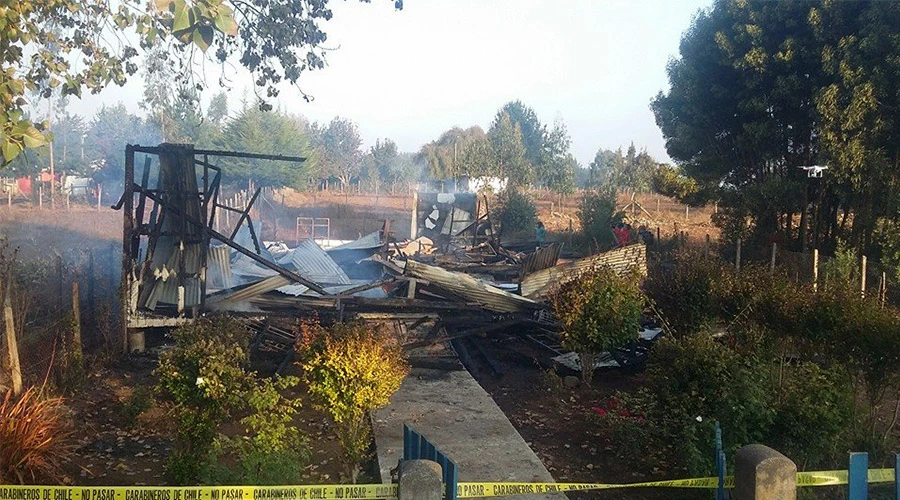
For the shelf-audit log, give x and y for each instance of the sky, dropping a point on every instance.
(410, 75)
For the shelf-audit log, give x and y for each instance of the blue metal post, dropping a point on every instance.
(859, 476)
(897, 476)
(415, 446)
(451, 484)
(407, 443)
(720, 463)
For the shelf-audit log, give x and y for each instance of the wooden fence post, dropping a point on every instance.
(862, 277)
(882, 289)
(76, 318)
(657, 206)
(59, 283)
(12, 346)
(815, 269)
(772, 261)
(737, 257)
(687, 216)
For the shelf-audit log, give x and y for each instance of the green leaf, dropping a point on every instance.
(203, 37)
(10, 150)
(225, 21)
(33, 137)
(182, 16)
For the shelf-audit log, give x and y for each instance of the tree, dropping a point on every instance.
(558, 165)
(256, 131)
(602, 168)
(350, 369)
(509, 152)
(384, 159)
(276, 40)
(110, 129)
(599, 311)
(534, 135)
(444, 157)
(339, 145)
(763, 88)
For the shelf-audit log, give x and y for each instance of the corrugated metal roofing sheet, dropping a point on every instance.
(621, 260)
(218, 274)
(489, 297)
(367, 242)
(313, 263)
(164, 282)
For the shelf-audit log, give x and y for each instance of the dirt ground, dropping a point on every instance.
(559, 424)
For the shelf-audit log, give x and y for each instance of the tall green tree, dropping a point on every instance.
(509, 152)
(559, 166)
(339, 144)
(534, 135)
(110, 129)
(257, 131)
(444, 156)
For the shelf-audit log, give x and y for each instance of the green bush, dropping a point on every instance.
(139, 401)
(597, 214)
(599, 311)
(204, 379)
(272, 451)
(351, 369)
(813, 413)
(517, 211)
(841, 270)
(692, 383)
(684, 292)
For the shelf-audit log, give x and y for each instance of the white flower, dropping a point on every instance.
(200, 382)
(699, 418)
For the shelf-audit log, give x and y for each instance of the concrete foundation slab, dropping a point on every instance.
(452, 411)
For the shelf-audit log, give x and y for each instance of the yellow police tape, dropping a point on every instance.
(382, 491)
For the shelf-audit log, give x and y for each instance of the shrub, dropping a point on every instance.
(139, 401)
(599, 311)
(204, 380)
(813, 413)
(34, 437)
(517, 211)
(842, 270)
(273, 452)
(684, 292)
(692, 383)
(350, 370)
(597, 214)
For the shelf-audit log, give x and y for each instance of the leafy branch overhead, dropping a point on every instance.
(62, 47)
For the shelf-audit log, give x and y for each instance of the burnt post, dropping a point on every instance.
(127, 237)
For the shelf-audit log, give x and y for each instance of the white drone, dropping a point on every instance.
(814, 170)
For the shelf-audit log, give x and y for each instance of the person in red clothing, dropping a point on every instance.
(622, 234)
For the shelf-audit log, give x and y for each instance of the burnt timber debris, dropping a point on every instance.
(188, 251)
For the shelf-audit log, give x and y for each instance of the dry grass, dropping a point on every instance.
(34, 437)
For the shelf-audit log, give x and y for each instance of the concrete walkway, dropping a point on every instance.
(452, 411)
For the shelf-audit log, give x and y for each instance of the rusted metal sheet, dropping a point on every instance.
(541, 259)
(490, 298)
(622, 260)
(164, 281)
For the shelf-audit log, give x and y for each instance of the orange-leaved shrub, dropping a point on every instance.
(34, 437)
